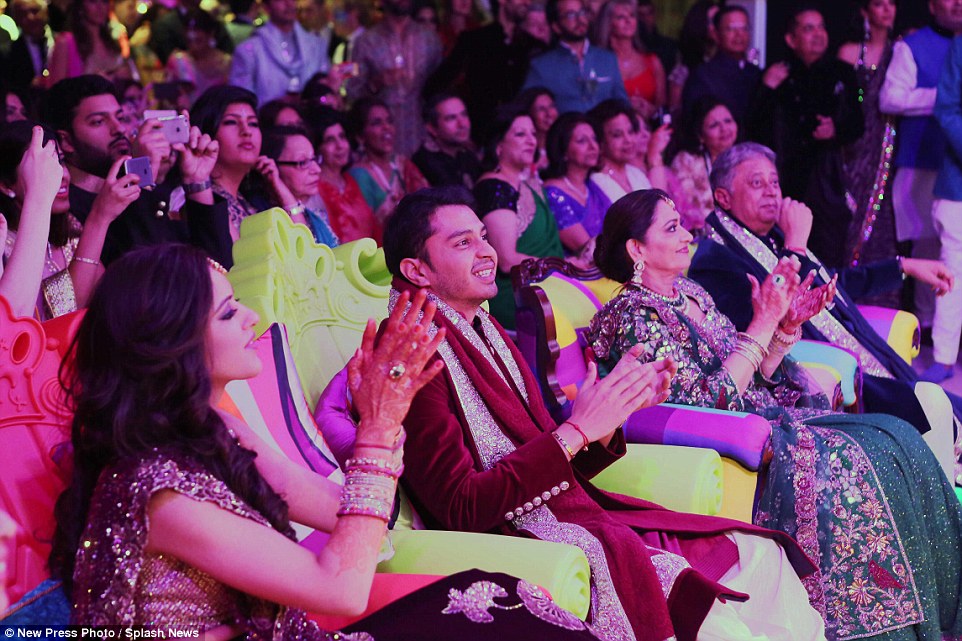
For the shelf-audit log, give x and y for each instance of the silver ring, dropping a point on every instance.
(396, 371)
(778, 280)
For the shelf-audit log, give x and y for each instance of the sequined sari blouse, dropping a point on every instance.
(117, 582)
(640, 316)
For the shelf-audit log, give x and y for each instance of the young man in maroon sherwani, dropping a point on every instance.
(484, 455)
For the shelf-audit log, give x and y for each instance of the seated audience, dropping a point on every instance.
(484, 455)
(248, 180)
(350, 215)
(577, 204)
(159, 467)
(709, 129)
(729, 75)
(754, 227)
(903, 521)
(580, 76)
(293, 154)
(447, 156)
(280, 56)
(88, 46)
(52, 262)
(617, 127)
(383, 175)
(202, 64)
(617, 29)
(538, 103)
(93, 134)
(511, 204)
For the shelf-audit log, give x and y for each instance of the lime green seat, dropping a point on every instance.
(323, 297)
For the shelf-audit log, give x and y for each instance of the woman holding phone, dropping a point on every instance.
(51, 262)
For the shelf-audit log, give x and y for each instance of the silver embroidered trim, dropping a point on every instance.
(827, 324)
(668, 566)
(609, 620)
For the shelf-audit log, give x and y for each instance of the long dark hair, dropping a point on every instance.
(14, 139)
(85, 45)
(138, 381)
(629, 217)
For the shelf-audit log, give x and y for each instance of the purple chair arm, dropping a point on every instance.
(735, 435)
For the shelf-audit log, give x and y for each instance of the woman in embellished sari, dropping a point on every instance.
(862, 494)
(180, 517)
(511, 204)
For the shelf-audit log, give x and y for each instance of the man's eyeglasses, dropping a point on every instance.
(299, 164)
(574, 15)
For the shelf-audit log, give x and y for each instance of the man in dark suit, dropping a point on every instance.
(754, 227)
(182, 208)
(490, 63)
(27, 57)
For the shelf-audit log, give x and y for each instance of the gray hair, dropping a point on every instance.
(723, 169)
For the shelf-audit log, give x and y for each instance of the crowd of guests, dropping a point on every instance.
(466, 139)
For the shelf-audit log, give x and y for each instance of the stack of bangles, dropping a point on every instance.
(584, 437)
(783, 342)
(369, 488)
(750, 349)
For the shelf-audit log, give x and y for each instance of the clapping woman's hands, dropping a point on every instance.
(772, 299)
(385, 378)
(808, 302)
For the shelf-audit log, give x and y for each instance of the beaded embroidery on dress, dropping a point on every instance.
(821, 488)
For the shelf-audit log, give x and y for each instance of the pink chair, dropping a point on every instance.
(34, 423)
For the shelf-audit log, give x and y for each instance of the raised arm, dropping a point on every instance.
(260, 561)
(40, 174)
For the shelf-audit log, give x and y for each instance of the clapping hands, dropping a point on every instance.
(808, 302)
(772, 299)
(385, 378)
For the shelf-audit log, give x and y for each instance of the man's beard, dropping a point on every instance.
(568, 36)
(93, 160)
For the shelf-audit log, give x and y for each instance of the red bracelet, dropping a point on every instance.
(580, 431)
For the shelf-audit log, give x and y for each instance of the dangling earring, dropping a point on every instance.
(866, 29)
(497, 154)
(639, 270)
